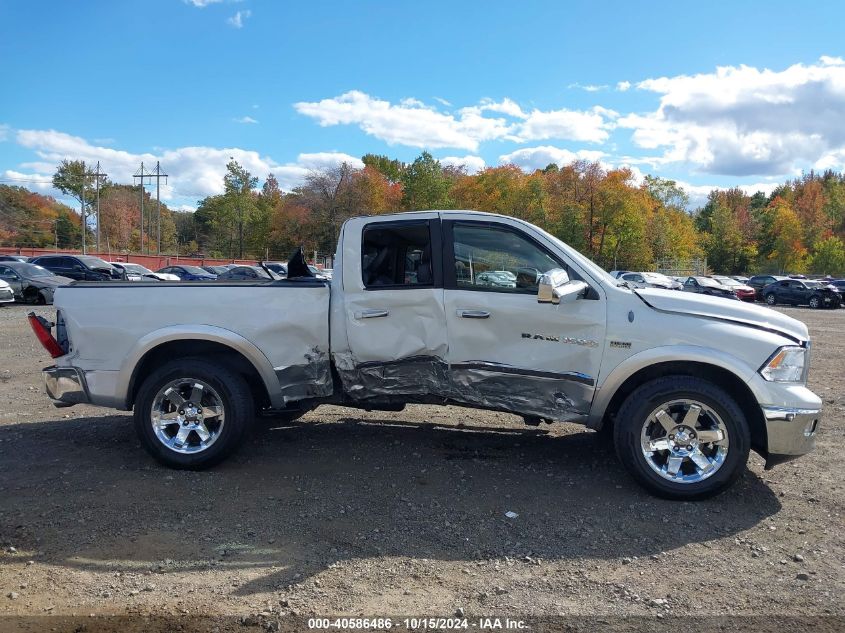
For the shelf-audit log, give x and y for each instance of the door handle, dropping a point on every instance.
(474, 314)
(372, 314)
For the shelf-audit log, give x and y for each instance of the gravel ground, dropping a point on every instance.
(347, 512)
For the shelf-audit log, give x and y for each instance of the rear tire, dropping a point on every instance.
(771, 299)
(192, 413)
(687, 425)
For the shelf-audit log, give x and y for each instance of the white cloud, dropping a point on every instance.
(237, 20)
(622, 86)
(531, 158)
(589, 87)
(202, 3)
(325, 160)
(194, 172)
(413, 123)
(473, 164)
(245, 119)
(41, 182)
(743, 121)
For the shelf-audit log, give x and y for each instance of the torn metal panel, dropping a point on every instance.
(550, 395)
(313, 379)
(556, 396)
(412, 376)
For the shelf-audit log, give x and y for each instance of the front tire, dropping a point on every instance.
(815, 303)
(682, 437)
(771, 299)
(192, 414)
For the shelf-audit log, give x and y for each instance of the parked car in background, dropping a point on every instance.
(328, 273)
(316, 272)
(218, 269)
(14, 258)
(137, 272)
(708, 286)
(815, 294)
(7, 295)
(496, 279)
(616, 274)
(741, 279)
(188, 273)
(651, 280)
(743, 291)
(758, 282)
(246, 273)
(277, 267)
(31, 283)
(78, 267)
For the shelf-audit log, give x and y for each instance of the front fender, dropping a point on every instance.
(200, 333)
(664, 354)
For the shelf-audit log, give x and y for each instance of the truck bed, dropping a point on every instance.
(281, 327)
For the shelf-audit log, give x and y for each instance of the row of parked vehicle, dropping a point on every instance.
(33, 280)
(772, 289)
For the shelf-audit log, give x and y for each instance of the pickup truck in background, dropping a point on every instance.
(685, 384)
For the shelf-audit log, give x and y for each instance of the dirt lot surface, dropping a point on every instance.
(347, 512)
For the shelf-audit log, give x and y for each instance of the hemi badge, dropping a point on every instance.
(620, 344)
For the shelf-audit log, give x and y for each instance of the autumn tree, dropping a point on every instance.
(425, 186)
(828, 257)
(73, 178)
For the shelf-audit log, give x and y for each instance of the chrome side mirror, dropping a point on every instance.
(555, 286)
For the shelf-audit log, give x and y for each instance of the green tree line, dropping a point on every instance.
(604, 213)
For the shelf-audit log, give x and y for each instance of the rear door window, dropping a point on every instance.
(397, 255)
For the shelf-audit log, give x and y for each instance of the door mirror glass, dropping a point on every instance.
(556, 286)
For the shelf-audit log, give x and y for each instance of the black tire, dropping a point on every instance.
(236, 399)
(31, 295)
(771, 299)
(633, 415)
(815, 302)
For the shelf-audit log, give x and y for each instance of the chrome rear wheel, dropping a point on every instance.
(187, 415)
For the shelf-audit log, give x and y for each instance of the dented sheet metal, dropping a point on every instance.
(549, 395)
(413, 376)
(312, 379)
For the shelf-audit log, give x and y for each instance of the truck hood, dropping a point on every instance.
(724, 310)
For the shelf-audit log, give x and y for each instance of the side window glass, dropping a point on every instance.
(500, 260)
(396, 255)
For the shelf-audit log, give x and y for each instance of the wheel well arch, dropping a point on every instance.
(213, 350)
(724, 378)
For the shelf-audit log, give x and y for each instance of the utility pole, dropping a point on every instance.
(158, 176)
(140, 174)
(82, 209)
(98, 175)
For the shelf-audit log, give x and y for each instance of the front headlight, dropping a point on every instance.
(788, 364)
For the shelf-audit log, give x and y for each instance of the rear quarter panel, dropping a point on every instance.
(280, 327)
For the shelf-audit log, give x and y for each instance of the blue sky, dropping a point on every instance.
(709, 94)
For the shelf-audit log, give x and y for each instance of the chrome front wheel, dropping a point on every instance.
(684, 441)
(187, 415)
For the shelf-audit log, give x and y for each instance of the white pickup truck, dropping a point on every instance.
(445, 307)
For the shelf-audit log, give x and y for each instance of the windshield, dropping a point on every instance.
(195, 270)
(136, 268)
(706, 281)
(95, 262)
(30, 270)
(727, 281)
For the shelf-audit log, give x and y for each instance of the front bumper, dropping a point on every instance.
(65, 386)
(791, 432)
(6, 295)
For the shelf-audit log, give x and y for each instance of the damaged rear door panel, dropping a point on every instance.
(395, 343)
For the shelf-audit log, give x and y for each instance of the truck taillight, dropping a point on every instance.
(41, 327)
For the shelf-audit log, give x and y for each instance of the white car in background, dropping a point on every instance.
(6, 293)
(136, 272)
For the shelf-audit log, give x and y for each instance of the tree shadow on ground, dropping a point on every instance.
(83, 494)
